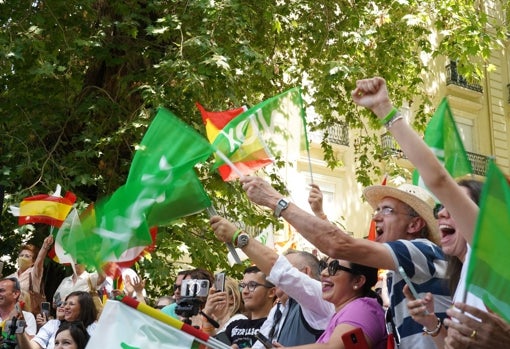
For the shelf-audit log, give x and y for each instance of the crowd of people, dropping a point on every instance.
(295, 299)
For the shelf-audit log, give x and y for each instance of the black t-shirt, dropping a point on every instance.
(242, 332)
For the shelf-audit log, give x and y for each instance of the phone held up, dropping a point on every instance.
(45, 309)
(219, 282)
(354, 339)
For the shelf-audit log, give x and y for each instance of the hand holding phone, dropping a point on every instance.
(264, 340)
(45, 309)
(409, 284)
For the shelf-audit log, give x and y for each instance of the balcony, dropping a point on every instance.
(390, 147)
(454, 78)
(337, 134)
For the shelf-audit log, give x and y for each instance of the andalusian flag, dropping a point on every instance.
(372, 235)
(275, 126)
(250, 156)
(488, 274)
(161, 187)
(133, 325)
(444, 140)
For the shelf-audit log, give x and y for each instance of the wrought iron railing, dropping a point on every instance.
(390, 147)
(336, 134)
(453, 77)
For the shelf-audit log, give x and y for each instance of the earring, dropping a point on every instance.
(355, 287)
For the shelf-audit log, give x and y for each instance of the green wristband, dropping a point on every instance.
(388, 117)
(234, 237)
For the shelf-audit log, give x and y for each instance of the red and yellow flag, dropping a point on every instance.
(250, 156)
(46, 209)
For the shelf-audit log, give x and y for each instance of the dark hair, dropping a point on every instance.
(370, 275)
(88, 312)
(308, 260)
(254, 270)
(200, 274)
(454, 266)
(77, 331)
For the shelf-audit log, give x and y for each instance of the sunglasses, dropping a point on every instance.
(437, 209)
(333, 267)
(177, 287)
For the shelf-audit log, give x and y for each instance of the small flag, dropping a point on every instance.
(488, 274)
(444, 140)
(122, 327)
(45, 209)
(250, 156)
(274, 126)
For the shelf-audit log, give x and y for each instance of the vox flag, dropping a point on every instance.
(442, 137)
(488, 274)
(275, 126)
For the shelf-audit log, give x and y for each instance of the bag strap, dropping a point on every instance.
(30, 286)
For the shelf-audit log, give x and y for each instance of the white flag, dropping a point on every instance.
(123, 327)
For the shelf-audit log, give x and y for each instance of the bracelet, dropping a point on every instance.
(390, 123)
(435, 331)
(388, 117)
(236, 234)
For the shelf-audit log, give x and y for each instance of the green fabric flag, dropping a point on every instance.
(488, 273)
(278, 121)
(161, 187)
(444, 140)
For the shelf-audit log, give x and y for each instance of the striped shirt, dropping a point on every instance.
(425, 264)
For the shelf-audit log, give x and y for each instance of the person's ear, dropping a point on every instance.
(416, 225)
(359, 281)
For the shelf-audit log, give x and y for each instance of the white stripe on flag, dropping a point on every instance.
(122, 327)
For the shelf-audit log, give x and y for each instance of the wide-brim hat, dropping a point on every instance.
(416, 197)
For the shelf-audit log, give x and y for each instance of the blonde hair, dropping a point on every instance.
(232, 289)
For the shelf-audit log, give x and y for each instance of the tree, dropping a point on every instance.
(81, 81)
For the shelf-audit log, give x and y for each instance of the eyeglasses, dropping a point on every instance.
(333, 267)
(437, 209)
(386, 211)
(252, 285)
(177, 287)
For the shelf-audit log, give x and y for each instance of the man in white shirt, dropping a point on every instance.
(78, 281)
(9, 295)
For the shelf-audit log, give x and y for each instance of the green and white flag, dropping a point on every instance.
(488, 273)
(161, 186)
(444, 140)
(123, 327)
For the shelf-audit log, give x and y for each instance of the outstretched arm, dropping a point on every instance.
(372, 94)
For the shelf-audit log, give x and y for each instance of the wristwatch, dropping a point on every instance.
(242, 240)
(281, 205)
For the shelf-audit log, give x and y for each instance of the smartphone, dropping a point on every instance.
(354, 339)
(45, 309)
(194, 288)
(408, 282)
(264, 340)
(1, 268)
(219, 282)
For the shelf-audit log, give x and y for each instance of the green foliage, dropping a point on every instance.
(80, 81)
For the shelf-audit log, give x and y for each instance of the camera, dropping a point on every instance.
(193, 295)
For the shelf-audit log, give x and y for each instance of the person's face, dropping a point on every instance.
(72, 308)
(8, 295)
(27, 254)
(260, 296)
(60, 311)
(177, 287)
(64, 340)
(452, 240)
(392, 220)
(338, 288)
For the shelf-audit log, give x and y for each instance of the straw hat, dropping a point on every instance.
(416, 197)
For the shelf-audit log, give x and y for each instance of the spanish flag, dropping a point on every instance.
(46, 209)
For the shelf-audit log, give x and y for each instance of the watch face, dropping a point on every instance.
(242, 240)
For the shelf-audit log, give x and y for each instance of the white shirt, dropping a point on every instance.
(46, 335)
(307, 292)
(67, 285)
(30, 323)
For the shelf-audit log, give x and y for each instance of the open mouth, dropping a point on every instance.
(446, 230)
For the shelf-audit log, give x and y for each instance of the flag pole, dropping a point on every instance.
(229, 163)
(212, 212)
(199, 335)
